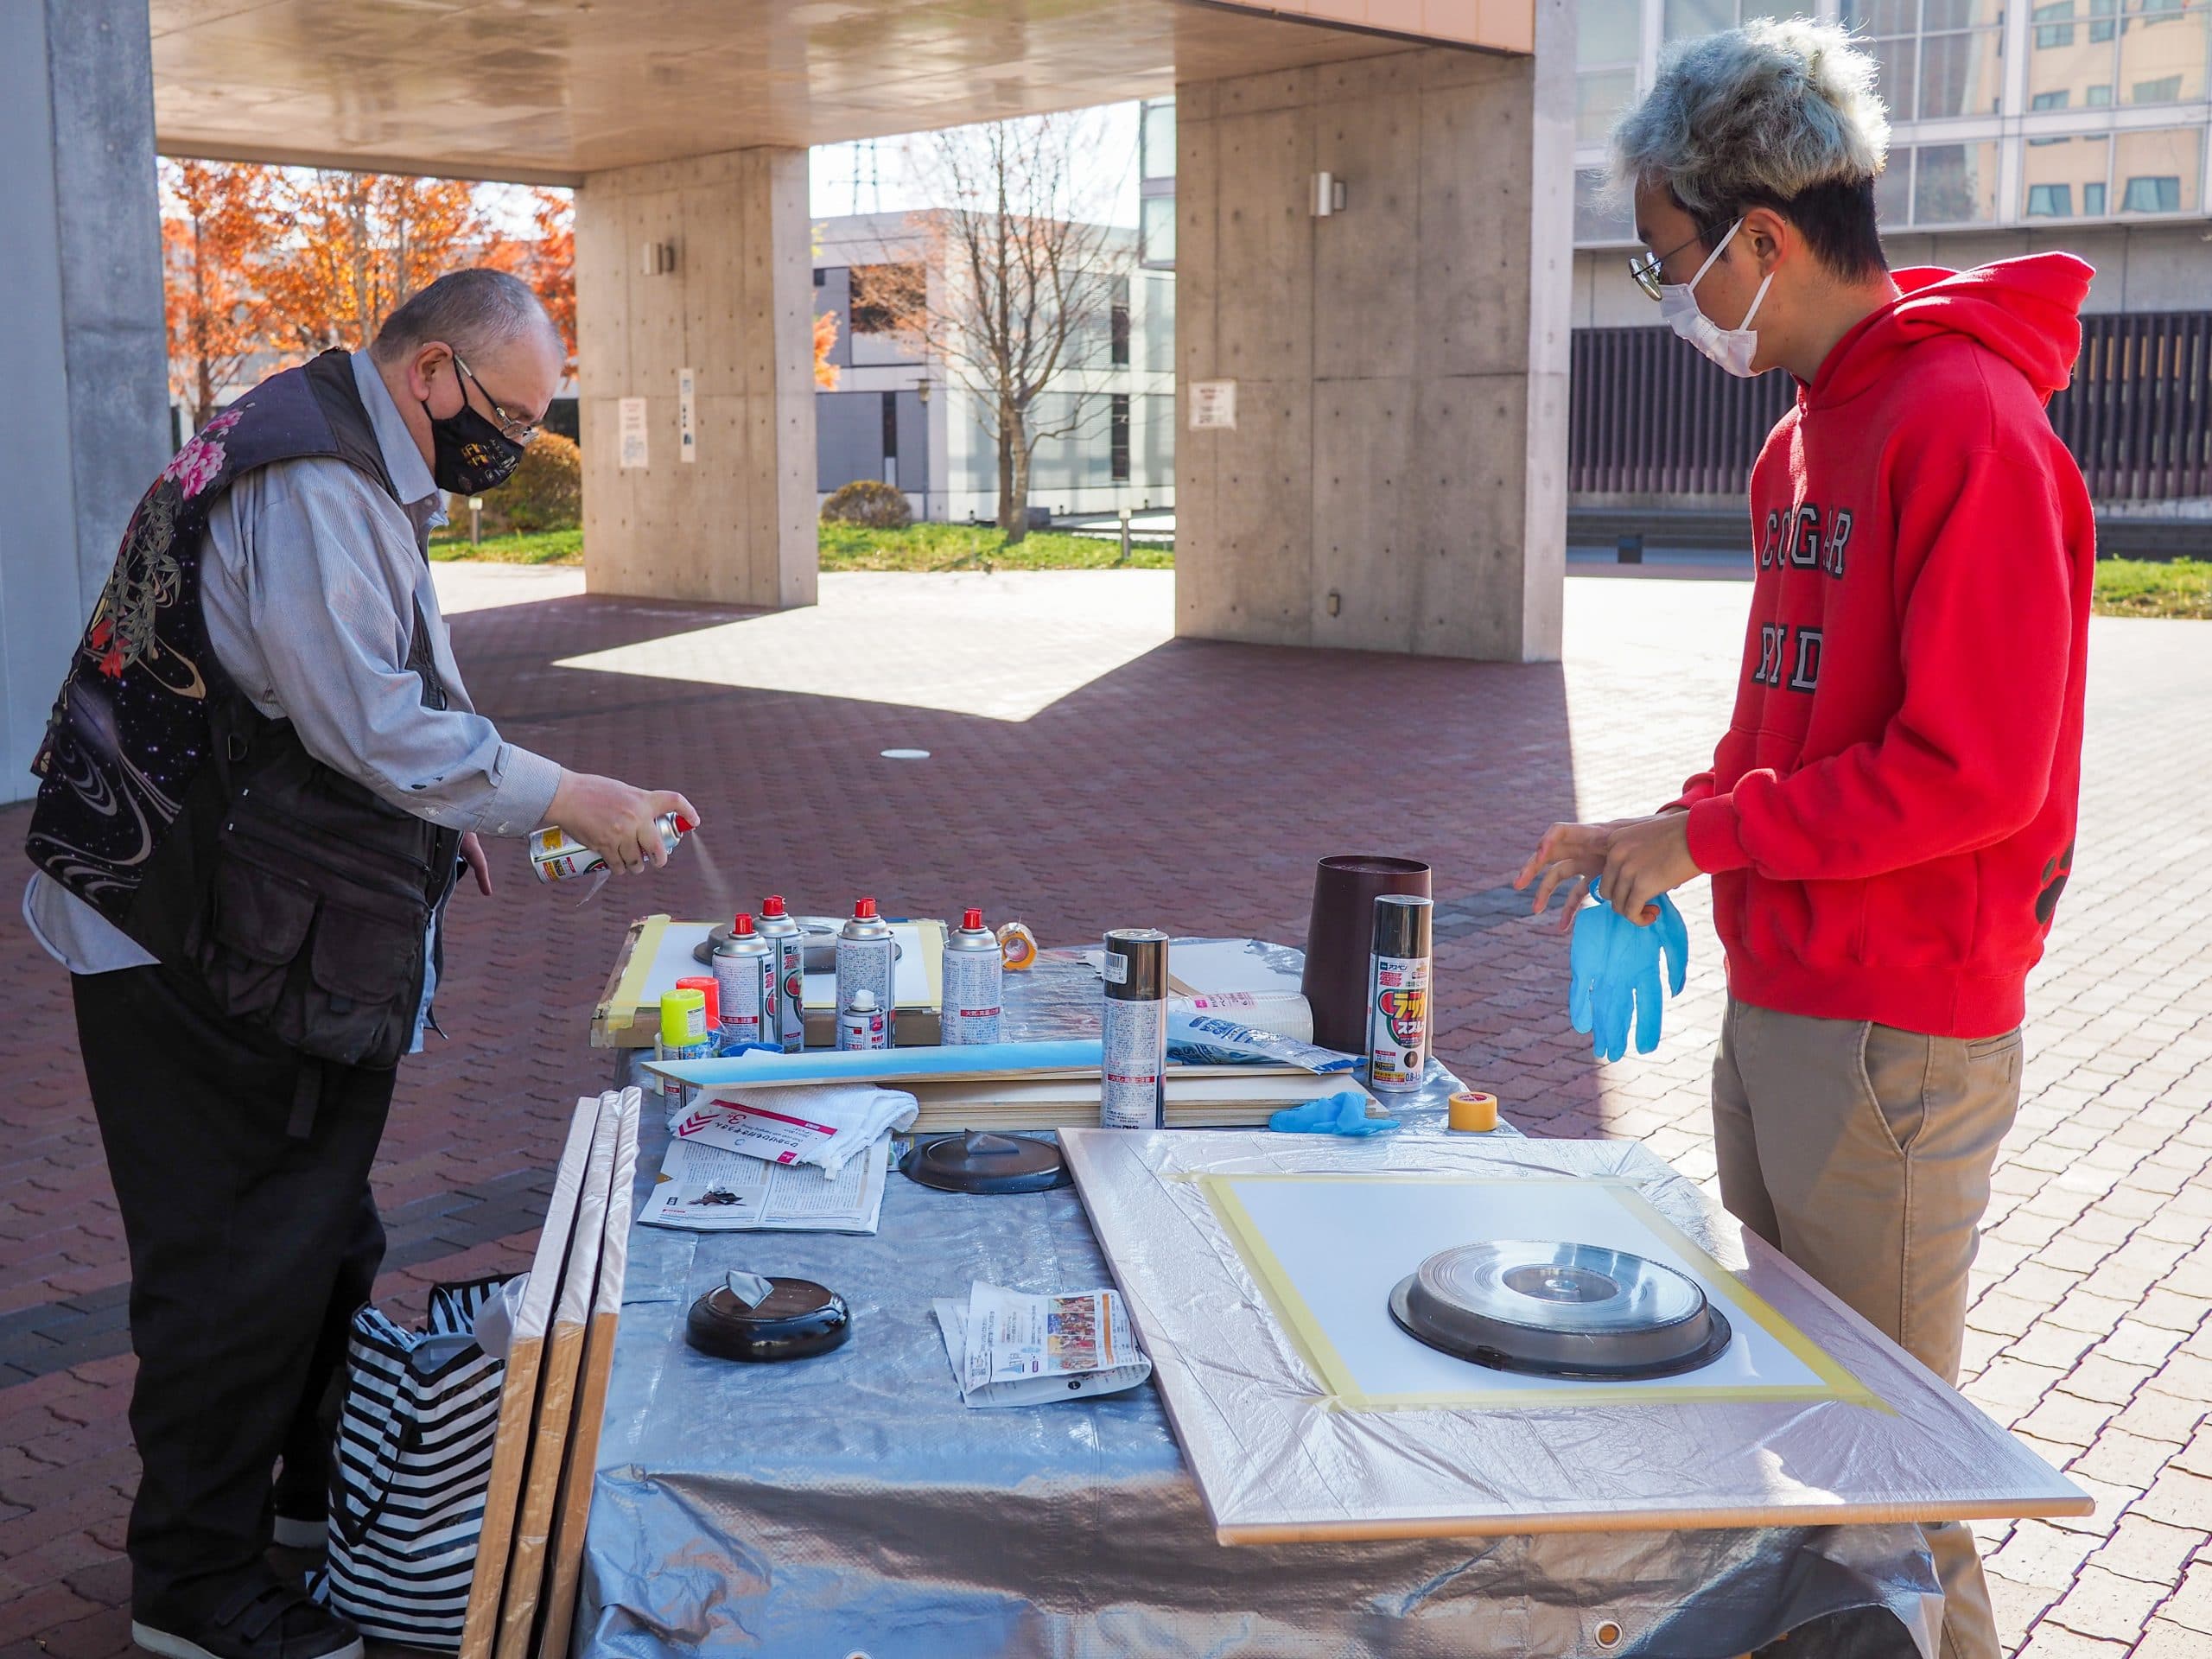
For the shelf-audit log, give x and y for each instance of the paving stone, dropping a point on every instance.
(2106, 1604)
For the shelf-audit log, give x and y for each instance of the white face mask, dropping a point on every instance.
(1731, 348)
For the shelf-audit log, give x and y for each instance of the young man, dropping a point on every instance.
(1889, 818)
(260, 780)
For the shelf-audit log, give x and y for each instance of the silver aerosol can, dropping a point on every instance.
(1133, 1079)
(975, 968)
(787, 939)
(744, 977)
(866, 951)
(861, 1024)
(556, 855)
(1397, 994)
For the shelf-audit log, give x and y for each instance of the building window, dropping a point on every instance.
(1117, 325)
(1156, 139)
(1928, 185)
(2050, 201)
(2152, 196)
(891, 439)
(2054, 100)
(1937, 58)
(820, 276)
(2093, 199)
(2163, 169)
(1117, 438)
(2097, 98)
(2058, 172)
(1608, 48)
(1156, 231)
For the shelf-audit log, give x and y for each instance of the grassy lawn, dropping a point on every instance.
(545, 547)
(2149, 588)
(848, 547)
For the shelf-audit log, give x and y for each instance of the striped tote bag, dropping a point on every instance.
(413, 1463)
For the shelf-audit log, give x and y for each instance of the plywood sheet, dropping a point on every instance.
(1287, 1444)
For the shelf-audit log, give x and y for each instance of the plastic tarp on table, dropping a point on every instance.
(851, 1503)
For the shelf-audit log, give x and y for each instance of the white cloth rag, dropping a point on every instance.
(857, 1114)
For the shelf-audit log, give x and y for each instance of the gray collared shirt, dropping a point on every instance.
(311, 578)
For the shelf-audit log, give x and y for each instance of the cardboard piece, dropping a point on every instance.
(556, 1391)
(518, 1393)
(581, 1467)
(1290, 1444)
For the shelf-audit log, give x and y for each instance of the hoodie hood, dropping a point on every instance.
(2025, 310)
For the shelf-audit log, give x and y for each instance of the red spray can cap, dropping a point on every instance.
(742, 927)
(773, 904)
(864, 909)
(972, 919)
(710, 987)
(683, 825)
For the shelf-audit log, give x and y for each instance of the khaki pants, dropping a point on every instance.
(1863, 1154)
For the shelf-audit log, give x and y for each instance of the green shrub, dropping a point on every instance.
(869, 502)
(546, 493)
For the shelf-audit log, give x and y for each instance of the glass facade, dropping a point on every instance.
(2001, 114)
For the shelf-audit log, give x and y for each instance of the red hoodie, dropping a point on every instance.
(1890, 819)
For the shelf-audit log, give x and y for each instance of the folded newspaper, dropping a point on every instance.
(711, 1189)
(1009, 1349)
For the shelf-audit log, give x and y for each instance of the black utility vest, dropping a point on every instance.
(284, 893)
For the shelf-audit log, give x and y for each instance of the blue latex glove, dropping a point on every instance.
(1614, 968)
(1338, 1114)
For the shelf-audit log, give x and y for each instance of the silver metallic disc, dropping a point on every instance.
(1572, 1310)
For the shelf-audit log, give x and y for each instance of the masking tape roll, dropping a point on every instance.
(1474, 1113)
(1018, 947)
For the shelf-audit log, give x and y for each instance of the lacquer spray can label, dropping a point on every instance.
(866, 954)
(1133, 1079)
(745, 975)
(974, 969)
(787, 940)
(1397, 994)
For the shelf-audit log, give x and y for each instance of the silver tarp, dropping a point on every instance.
(851, 1505)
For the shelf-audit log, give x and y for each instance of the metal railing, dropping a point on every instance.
(1651, 418)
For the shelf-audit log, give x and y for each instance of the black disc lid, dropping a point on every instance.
(982, 1160)
(795, 1319)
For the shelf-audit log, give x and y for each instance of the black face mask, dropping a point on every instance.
(468, 454)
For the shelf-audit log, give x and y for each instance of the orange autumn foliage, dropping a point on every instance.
(352, 247)
(216, 314)
(825, 340)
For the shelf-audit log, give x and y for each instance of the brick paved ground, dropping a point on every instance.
(1193, 787)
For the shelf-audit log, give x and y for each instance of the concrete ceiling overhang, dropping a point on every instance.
(549, 91)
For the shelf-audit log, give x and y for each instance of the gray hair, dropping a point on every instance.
(1764, 112)
(473, 311)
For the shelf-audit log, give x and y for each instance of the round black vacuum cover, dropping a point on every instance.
(796, 1319)
(1560, 1310)
(982, 1160)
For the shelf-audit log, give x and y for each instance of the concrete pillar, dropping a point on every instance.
(1396, 480)
(84, 361)
(731, 298)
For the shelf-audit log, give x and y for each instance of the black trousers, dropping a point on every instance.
(251, 1245)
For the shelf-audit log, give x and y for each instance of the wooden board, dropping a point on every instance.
(518, 1392)
(558, 1610)
(556, 1391)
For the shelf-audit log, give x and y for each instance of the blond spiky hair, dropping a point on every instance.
(1765, 111)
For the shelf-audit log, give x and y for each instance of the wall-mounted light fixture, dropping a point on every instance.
(1328, 195)
(660, 259)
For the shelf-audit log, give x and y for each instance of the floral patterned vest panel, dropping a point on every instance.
(146, 710)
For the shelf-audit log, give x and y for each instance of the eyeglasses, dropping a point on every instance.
(514, 430)
(1644, 267)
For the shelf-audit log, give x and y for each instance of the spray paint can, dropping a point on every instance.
(745, 970)
(1397, 994)
(683, 1036)
(974, 970)
(706, 986)
(866, 951)
(787, 939)
(556, 855)
(1133, 1080)
(862, 1024)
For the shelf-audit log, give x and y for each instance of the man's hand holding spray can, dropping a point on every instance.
(1132, 1077)
(602, 823)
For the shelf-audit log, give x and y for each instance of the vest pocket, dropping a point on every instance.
(363, 973)
(260, 920)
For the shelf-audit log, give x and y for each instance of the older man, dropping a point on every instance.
(1889, 819)
(260, 780)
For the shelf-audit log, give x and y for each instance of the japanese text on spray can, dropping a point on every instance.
(866, 951)
(861, 1024)
(975, 966)
(682, 1037)
(1397, 994)
(556, 855)
(1133, 1079)
(787, 939)
(744, 973)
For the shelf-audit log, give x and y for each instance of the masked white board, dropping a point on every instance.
(1822, 1421)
